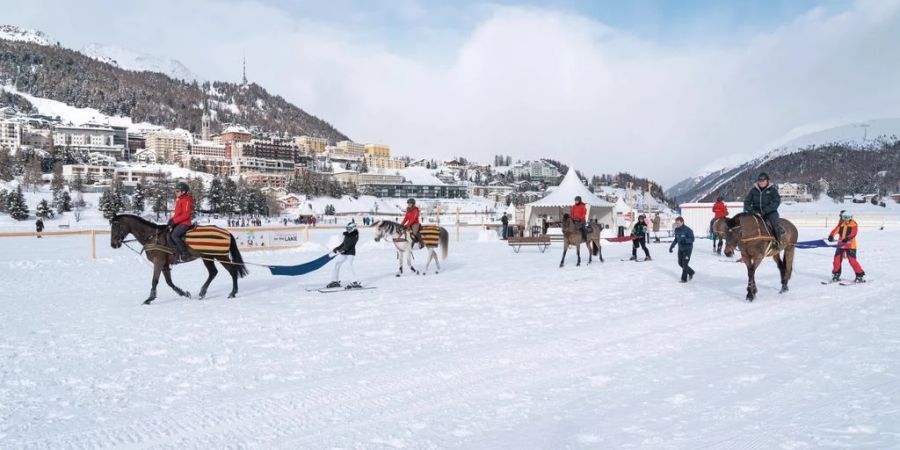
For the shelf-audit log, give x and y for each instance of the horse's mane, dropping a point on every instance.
(732, 222)
(140, 219)
(391, 227)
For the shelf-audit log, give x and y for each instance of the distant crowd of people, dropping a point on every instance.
(244, 222)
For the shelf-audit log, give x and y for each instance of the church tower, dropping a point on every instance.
(204, 122)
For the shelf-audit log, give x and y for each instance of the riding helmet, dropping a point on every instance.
(763, 176)
(578, 199)
(846, 215)
(719, 198)
(411, 201)
(350, 226)
(182, 186)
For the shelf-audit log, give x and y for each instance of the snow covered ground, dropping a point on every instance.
(500, 350)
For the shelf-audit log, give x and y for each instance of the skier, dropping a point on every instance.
(846, 231)
(39, 226)
(720, 211)
(639, 233)
(505, 221)
(411, 221)
(684, 237)
(346, 251)
(181, 220)
(579, 216)
(763, 199)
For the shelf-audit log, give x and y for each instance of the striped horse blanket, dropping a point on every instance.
(209, 240)
(431, 235)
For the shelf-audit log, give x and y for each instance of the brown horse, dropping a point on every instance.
(572, 236)
(154, 239)
(750, 233)
(718, 229)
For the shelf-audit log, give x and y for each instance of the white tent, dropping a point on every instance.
(559, 202)
(512, 213)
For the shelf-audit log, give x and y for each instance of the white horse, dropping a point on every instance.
(402, 239)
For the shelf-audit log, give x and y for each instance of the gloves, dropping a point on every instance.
(671, 250)
(831, 238)
(846, 241)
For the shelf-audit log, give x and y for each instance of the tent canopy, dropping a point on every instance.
(558, 202)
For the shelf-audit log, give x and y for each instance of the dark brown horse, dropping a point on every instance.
(572, 236)
(718, 229)
(154, 239)
(749, 232)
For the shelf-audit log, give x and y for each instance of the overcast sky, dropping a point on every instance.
(663, 89)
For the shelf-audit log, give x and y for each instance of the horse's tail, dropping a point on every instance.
(445, 242)
(237, 259)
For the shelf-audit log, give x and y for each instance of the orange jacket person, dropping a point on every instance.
(846, 231)
(181, 219)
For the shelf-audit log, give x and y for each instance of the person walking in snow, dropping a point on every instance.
(181, 220)
(579, 217)
(411, 221)
(656, 222)
(684, 237)
(39, 226)
(763, 199)
(345, 254)
(639, 235)
(505, 222)
(846, 231)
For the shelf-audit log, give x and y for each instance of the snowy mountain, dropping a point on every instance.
(870, 148)
(140, 62)
(14, 33)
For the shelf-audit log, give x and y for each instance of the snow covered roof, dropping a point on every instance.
(235, 129)
(568, 189)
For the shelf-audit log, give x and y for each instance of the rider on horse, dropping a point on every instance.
(579, 216)
(764, 200)
(411, 221)
(720, 211)
(181, 220)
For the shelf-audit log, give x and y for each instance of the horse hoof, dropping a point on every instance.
(232, 295)
(186, 294)
(398, 275)
(148, 301)
(783, 290)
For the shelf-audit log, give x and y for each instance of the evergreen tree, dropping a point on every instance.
(197, 191)
(137, 199)
(32, 177)
(243, 197)
(6, 164)
(57, 184)
(3, 195)
(44, 210)
(229, 202)
(329, 210)
(15, 205)
(216, 196)
(77, 184)
(65, 203)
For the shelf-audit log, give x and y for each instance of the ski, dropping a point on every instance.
(341, 289)
(853, 283)
(635, 260)
(831, 282)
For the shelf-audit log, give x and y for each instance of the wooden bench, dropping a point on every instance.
(541, 242)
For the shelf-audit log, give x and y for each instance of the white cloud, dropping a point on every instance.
(535, 82)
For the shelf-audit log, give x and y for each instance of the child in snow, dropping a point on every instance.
(684, 237)
(639, 233)
(846, 231)
(346, 251)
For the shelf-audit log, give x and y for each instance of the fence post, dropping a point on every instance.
(457, 223)
(306, 233)
(93, 244)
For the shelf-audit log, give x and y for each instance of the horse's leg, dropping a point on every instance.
(780, 264)
(409, 258)
(565, 249)
(157, 268)
(233, 271)
(427, 261)
(788, 267)
(212, 271)
(578, 254)
(751, 277)
(437, 263)
(599, 251)
(590, 251)
(167, 272)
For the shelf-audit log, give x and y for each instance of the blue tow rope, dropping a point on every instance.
(818, 243)
(301, 269)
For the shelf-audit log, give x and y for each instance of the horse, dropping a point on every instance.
(751, 234)
(432, 236)
(718, 228)
(572, 236)
(214, 243)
